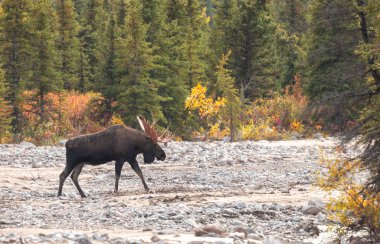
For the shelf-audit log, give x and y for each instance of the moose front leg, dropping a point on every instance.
(136, 168)
(118, 167)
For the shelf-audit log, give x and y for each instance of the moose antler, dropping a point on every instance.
(166, 137)
(151, 131)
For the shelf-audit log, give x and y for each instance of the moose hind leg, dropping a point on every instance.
(74, 177)
(136, 168)
(62, 177)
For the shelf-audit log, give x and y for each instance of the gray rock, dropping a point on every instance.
(321, 216)
(253, 236)
(55, 206)
(83, 240)
(317, 202)
(272, 240)
(309, 209)
(230, 213)
(155, 238)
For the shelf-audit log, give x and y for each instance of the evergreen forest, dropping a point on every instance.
(202, 69)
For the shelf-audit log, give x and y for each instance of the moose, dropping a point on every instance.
(118, 143)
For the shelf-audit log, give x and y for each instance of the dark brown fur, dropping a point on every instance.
(117, 143)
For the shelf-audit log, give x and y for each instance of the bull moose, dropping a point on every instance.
(118, 143)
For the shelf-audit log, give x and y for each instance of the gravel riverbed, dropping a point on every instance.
(204, 192)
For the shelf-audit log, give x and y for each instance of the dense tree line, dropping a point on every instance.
(145, 56)
(142, 56)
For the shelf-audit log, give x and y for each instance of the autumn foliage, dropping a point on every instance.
(205, 106)
(68, 114)
(277, 117)
(356, 207)
(205, 110)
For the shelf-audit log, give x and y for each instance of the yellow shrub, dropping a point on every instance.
(216, 132)
(206, 106)
(206, 111)
(116, 120)
(260, 131)
(297, 126)
(356, 207)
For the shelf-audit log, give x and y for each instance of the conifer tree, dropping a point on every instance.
(92, 43)
(139, 91)
(176, 10)
(222, 39)
(333, 66)
(45, 73)
(5, 112)
(121, 12)
(291, 24)
(193, 39)
(196, 43)
(80, 7)
(252, 51)
(226, 84)
(110, 82)
(368, 129)
(16, 44)
(68, 43)
(165, 37)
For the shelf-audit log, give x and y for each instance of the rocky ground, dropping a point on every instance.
(217, 192)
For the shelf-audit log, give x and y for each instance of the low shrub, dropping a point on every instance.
(277, 117)
(356, 208)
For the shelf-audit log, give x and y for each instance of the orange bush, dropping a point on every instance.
(66, 114)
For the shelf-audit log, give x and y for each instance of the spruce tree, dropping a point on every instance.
(227, 87)
(165, 36)
(5, 112)
(92, 37)
(196, 42)
(193, 38)
(110, 82)
(222, 39)
(291, 24)
(252, 61)
(176, 10)
(68, 43)
(368, 129)
(121, 12)
(46, 63)
(15, 41)
(80, 7)
(139, 91)
(333, 66)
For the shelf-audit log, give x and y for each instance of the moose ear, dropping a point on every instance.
(139, 119)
